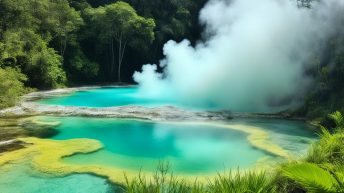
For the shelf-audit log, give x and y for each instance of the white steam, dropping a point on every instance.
(254, 57)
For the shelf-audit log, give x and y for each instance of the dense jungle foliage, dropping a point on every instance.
(47, 44)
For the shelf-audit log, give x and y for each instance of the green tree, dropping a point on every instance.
(31, 31)
(82, 66)
(67, 21)
(119, 23)
(11, 86)
(15, 14)
(26, 50)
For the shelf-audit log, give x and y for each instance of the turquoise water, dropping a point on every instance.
(20, 178)
(106, 97)
(123, 96)
(190, 149)
(137, 144)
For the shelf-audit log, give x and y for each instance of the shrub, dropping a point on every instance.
(11, 86)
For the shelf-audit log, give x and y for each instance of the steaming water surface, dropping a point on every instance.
(104, 97)
(110, 97)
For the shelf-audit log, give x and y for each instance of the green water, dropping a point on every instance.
(20, 178)
(189, 149)
(106, 97)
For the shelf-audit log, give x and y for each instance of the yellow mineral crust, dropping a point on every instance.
(45, 156)
(37, 120)
(48, 152)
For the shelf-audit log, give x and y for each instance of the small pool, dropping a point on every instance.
(188, 148)
(20, 178)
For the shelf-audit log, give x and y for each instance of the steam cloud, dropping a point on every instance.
(254, 58)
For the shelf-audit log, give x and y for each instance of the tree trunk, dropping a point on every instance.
(63, 45)
(120, 57)
(112, 58)
(61, 49)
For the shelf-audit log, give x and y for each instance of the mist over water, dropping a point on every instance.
(253, 59)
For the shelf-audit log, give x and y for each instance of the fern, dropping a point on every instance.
(311, 177)
(338, 118)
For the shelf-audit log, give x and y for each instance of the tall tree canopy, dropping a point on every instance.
(119, 23)
(29, 34)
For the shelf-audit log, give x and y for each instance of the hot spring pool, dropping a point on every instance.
(195, 148)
